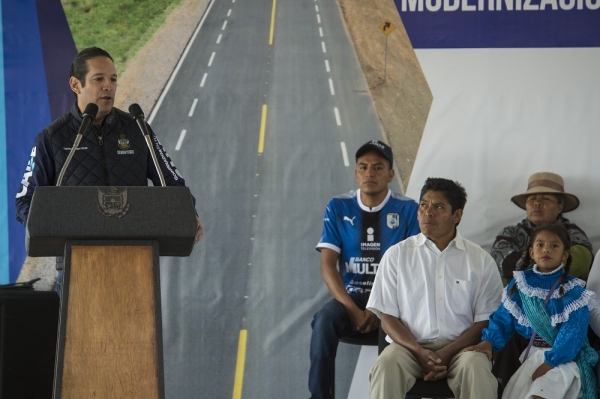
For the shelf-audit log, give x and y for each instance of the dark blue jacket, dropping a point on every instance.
(113, 154)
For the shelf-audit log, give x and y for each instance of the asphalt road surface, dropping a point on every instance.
(262, 117)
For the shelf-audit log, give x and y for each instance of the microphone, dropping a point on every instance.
(89, 114)
(138, 115)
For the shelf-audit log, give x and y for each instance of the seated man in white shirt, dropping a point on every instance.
(434, 293)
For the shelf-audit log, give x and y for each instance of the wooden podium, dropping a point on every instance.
(110, 339)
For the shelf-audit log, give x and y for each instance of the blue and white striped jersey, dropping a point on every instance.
(362, 235)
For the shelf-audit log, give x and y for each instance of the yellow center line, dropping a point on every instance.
(239, 367)
(263, 123)
(272, 23)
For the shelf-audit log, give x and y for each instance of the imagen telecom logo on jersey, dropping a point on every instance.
(370, 245)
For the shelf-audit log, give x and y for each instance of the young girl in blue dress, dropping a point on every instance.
(553, 307)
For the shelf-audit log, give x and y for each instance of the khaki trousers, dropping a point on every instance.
(396, 370)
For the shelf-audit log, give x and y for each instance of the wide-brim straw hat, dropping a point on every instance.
(546, 183)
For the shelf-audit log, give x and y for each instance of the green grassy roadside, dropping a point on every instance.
(121, 27)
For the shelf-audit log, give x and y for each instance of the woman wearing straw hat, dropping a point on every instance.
(545, 201)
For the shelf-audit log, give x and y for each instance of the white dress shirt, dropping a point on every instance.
(436, 294)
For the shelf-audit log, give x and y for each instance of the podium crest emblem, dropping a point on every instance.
(112, 201)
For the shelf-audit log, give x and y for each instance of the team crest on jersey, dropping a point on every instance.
(113, 201)
(123, 142)
(393, 220)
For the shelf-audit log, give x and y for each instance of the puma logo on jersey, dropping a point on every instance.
(346, 218)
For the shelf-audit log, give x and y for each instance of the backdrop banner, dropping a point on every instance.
(516, 91)
(501, 23)
(36, 53)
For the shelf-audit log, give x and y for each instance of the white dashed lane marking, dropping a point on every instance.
(180, 141)
(345, 154)
(193, 107)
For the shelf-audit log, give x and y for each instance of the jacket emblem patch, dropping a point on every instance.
(123, 142)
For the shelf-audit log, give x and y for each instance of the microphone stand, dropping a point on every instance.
(136, 111)
(154, 159)
(88, 115)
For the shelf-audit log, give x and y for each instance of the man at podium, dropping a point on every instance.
(112, 150)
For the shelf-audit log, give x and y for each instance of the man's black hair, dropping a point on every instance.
(453, 191)
(79, 67)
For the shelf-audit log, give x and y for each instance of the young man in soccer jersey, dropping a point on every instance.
(358, 228)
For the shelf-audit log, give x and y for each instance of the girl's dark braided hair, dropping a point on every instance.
(563, 235)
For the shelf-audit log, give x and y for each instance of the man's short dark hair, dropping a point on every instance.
(79, 67)
(453, 191)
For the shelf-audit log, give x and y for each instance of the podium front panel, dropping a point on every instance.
(110, 341)
(59, 214)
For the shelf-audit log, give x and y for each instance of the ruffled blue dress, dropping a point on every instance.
(569, 314)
